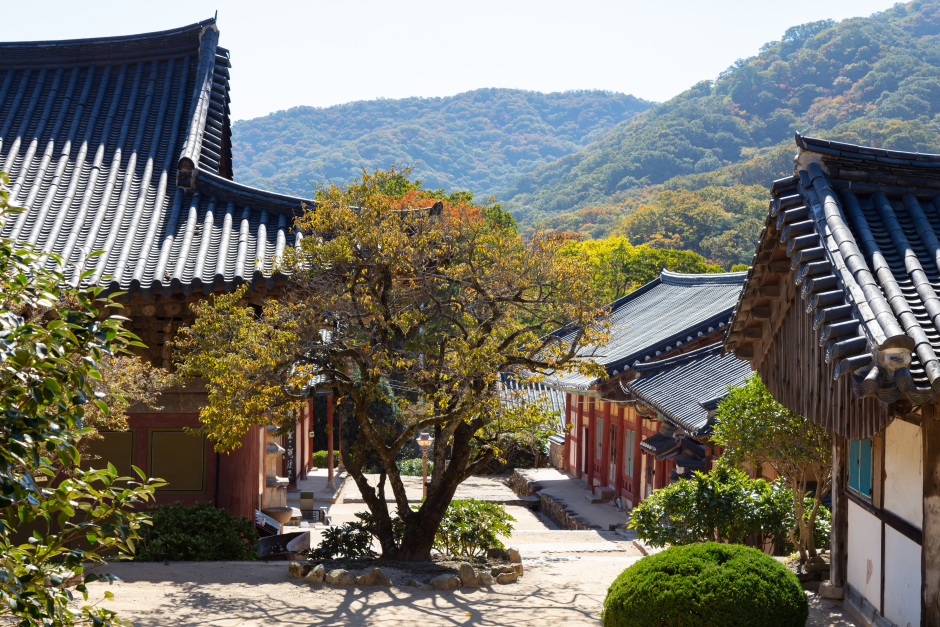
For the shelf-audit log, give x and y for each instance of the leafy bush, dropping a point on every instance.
(196, 533)
(724, 505)
(54, 340)
(352, 541)
(470, 527)
(708, 584)
(413, 467)
(318, 459)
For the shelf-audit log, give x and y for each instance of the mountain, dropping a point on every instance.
(873, 81)
(477, 141)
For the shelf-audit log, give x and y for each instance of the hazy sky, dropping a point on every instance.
(321, 53)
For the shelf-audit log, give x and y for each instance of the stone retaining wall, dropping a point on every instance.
(556, 455)
(556, 510)
(521, 485)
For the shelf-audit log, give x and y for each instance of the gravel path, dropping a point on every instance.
(556, 590)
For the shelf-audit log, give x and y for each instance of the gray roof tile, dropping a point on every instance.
(678, 387)
(660, 316)
(93, 133)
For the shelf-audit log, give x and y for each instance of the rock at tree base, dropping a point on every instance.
(506, 578)
(518, 569)
(341, 577)
(496, 571)
(496, 552)
(445, 582)
(485, 579)
(467, 576)
(374, 577)
(816, 564)
(297, 570)
(426, 587)
(514, 557)
(317, 575)
(829, 591)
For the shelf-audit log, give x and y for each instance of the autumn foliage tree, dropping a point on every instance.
(430, 294)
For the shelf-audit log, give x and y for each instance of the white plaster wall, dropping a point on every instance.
(902, 579)
(904, 483)
(864, 549)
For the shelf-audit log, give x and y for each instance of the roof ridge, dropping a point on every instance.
(652, 366)
(856, 151)
(711, 278)
(160, 34)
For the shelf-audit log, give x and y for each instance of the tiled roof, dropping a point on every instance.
(680, 387)
(659, 444)
(123, 144)
(860, 226)
(515, 391)
(671, 310)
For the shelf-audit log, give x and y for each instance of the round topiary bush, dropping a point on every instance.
(718, 585)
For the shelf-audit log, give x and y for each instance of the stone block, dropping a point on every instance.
(317, 575)
(496, 571)
(506, 578)
(374, 577)
(341, 577)
(811, 586)
(298, 570)
(514, 556)
(518, 568)
(605, 492)
(485, 579)
(468, 576)
(445, 582)
(829, 591)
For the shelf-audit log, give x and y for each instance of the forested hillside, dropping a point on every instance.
(478, 141)
(873, 81)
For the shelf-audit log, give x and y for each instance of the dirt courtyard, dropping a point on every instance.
(563, 590)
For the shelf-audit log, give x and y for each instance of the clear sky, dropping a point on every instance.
(326, 52)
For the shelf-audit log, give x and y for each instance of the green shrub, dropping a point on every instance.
(413, 467)
(318, 459)
(196, 533)
(471, 527)
(707, 584)
(352, 541)
(724, 505)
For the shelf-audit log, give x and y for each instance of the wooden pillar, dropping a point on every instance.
(566, 459)
(840, 514)
(709, 452)
(579, 444)
(606, 444)
(930, 547)
(637, 458)
(329, 440)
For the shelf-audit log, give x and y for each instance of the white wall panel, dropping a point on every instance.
(864, 549)
(902, 579)
(904, 483)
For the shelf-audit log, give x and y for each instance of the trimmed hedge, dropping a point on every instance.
(318, 459)
(707, 584)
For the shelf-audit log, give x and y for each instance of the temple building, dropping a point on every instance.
(124, 145)
(841, 319)
(647, 420)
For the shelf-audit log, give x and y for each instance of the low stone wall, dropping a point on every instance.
(556, 455)
(559, 514)
(554, 509)
(521, 485)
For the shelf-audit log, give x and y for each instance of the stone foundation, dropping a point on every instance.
(556, 511)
